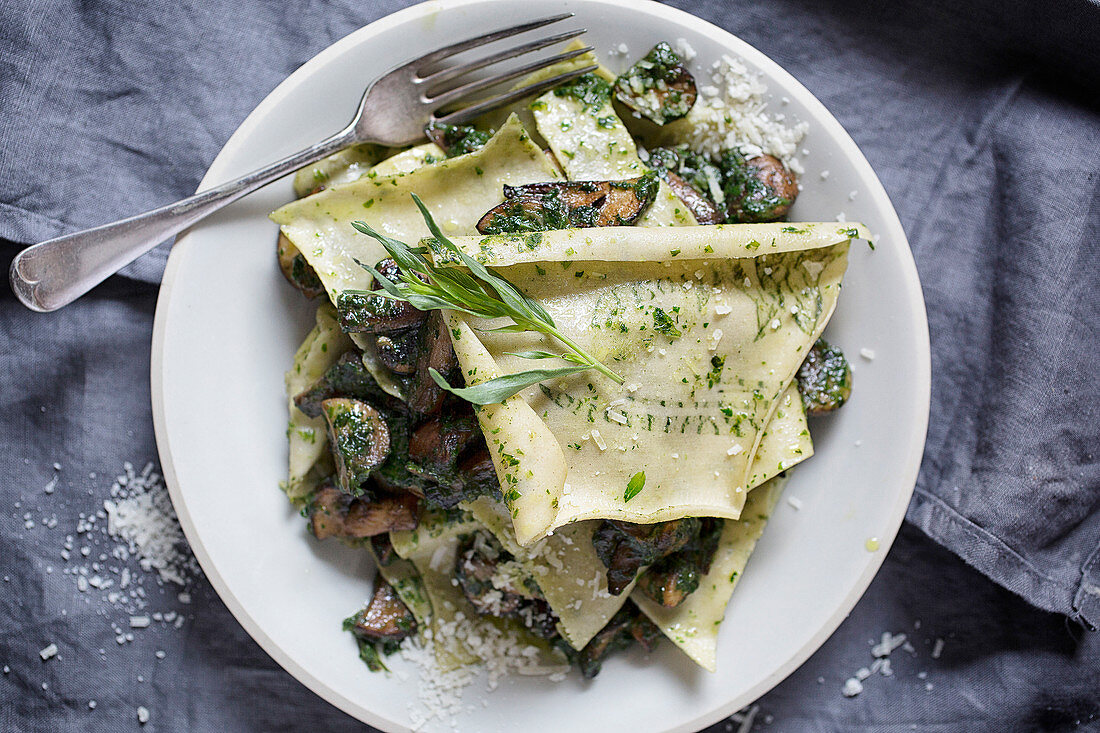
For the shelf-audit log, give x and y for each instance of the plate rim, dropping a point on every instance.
(921, 383)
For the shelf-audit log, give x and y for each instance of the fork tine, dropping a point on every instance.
(468, 113)
(476, 86)
(456, 48)
(463, 69)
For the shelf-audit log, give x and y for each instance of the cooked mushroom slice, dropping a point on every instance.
(383, 549)
(363, 312)
(475, 477)
(397, 350)
(389, 512)
(824, 379)
(296, 270)
(493, 583)
(659, 87)
(758, 189)
(625, 628)
(346, 378)
(539, 207)
(385, 617)
(435, 352)
(326, 511)
(693, 178)
(457, 139)
(700, 206)
(332, 513)
(359, 439)
(626, 548)
(437, 444)
(672, 578)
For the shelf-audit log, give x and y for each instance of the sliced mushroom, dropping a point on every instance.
(758, 189)
(346, 378)
(457, 140)
(296, 270)
(700, 206)
(394, 475)
(694, 179)
(385, 617)
(476, 476)
(659, 87)
(382, 513)
(626, 548)
(332, 513)
(366, 313)
(435, 352)
(327, 509)
(437, 444)
(672, 578)
(824, 379)
(383, 549)
(538, 207)
(359, 439)
(397, 350)
(625, 628)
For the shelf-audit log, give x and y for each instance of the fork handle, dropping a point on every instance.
(54, 273)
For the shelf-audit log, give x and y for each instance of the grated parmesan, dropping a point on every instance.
(731, 112)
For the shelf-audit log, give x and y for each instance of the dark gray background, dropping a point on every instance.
(983, 120)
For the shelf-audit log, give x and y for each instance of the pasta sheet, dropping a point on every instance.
(565, 566)
(457, 190)
(455, 627)
(693, 625)
(706, 347)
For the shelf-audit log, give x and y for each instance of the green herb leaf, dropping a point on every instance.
(545, 355)
(477, 291)
(498, 389)
(634, 486)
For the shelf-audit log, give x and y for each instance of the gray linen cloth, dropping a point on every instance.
(981, 117)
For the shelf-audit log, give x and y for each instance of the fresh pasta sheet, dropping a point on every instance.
(707, 341)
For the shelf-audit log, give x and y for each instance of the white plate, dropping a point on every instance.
(227, 326)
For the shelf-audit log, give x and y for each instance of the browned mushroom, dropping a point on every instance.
(397, 350)
(435, 352)
(625, 548)
(296, 270)
(365, 313)
(538, 207)
(491, 594)
(383, 513)
(674, 577)
(332, 513)
(326, 511)
(359, 439)
(438, 443)
(658, 87)
(346, 378)
(383, 549)
(700, 206)
(625, 628)
(457, 140)
(385, 617)
(758, 189)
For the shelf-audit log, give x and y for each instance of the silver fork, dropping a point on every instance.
(393, 112)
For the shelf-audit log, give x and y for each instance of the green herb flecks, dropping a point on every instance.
(479, 292)
(664, 325)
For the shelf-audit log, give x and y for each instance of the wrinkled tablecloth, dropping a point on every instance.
(981, 117)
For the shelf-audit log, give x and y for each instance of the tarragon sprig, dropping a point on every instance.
(482, 293)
